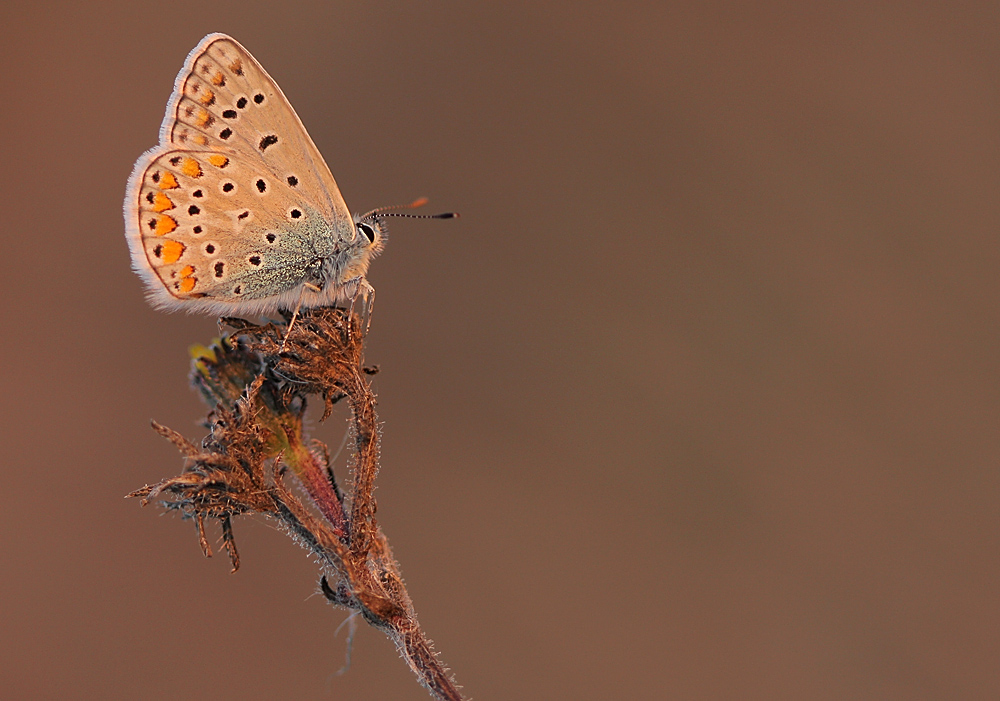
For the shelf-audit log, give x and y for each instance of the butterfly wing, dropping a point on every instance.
(235, 207)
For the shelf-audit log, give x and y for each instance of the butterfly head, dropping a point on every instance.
(370, 233)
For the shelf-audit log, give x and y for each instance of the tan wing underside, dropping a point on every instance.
(225, 111)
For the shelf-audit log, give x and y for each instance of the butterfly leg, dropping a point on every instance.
(363, 289)
(295, 314)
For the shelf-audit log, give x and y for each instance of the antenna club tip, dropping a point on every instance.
(447, 215)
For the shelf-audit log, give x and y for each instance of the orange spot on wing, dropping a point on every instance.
(186, 271)
(162, 203)
(200, 140)
(172, 251)
(187, 284)
(218, 79)
(203, 118)
(191, 168)
(207, 97)
(168, 181)
(218, 160)
(164, 225)
(236, 67)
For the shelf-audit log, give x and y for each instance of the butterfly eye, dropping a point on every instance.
(367, 231)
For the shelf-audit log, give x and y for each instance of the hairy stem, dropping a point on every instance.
(258, 381)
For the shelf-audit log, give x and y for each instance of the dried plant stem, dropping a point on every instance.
(258, 381)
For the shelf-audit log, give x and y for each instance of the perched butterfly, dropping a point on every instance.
(235, 211)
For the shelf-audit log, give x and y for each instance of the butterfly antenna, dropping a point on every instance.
(381, 212)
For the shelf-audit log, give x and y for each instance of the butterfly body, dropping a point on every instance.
(235, 211)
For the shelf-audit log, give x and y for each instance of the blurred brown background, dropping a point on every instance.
(698, 400)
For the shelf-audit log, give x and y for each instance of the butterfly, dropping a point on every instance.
(235, 211)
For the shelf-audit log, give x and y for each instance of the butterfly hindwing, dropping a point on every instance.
(214, 228)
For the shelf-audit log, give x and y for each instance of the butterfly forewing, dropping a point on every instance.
(224, 94)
